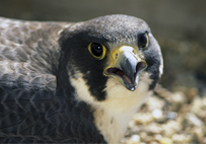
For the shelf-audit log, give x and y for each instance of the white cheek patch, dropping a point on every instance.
(81, 88)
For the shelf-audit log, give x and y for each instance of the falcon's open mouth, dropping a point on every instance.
(131, 83)
(118, 72)
(126, 67)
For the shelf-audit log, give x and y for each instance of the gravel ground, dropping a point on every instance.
(168, 118)
(176, 115)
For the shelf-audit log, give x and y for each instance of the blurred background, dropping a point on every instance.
(179, 27)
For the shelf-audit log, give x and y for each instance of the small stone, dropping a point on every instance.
(199, 134)
(154, 128)
(174, 125)
(149, 139)
(172, 115)
(199, 107)
(165, 140)
(158, 137)
(178, 97)
(181, 138)
(135, 139)
(133, 127)
(193, 119)
(168, 131)
(170, 128)
(157, 114)
(177, 100)
(143, 118)
(196, 105)
(154, 103)
(143, 135)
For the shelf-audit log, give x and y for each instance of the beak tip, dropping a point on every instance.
(131, 88)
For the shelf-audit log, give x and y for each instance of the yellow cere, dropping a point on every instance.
(116, 52)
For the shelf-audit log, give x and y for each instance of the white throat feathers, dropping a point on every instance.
(113, 114)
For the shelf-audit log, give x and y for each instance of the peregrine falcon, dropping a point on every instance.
(74, 82)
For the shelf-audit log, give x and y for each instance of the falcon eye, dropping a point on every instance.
(143, 40)
(97, 50)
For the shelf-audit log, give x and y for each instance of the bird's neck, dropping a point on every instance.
(112, 116)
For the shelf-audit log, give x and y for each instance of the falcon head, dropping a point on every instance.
(113, 63)
(115, 49)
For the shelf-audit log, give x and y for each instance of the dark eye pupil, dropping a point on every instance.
(142, 40)
(96, 49)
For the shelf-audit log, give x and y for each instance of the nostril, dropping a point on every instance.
(140, 66)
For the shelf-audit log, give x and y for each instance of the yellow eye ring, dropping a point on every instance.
(97, 50)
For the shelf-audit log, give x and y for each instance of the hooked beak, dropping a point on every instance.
(126, 66)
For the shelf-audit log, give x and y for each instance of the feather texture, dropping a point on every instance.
(32, 109)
